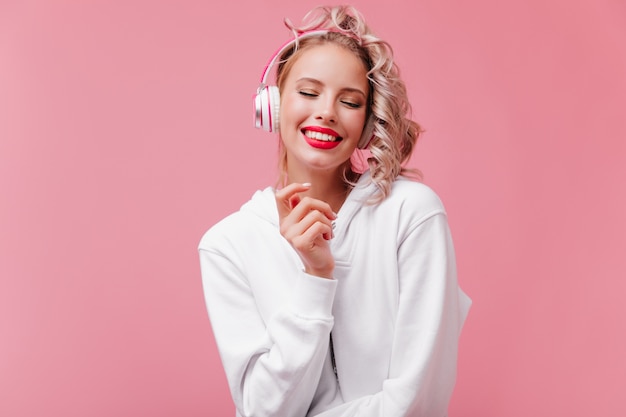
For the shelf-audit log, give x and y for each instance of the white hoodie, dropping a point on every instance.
(394, 308)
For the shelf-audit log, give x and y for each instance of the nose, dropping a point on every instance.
(326, 110)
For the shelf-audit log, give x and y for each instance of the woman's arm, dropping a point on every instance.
(272, 367)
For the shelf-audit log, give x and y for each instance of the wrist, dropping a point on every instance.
(321, 273)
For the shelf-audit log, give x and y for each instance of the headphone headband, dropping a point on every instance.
(283, 49)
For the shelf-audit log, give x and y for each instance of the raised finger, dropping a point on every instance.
(287, 198)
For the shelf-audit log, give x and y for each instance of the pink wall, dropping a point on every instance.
(125, 132)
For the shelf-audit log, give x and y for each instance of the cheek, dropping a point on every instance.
(356, 120)
(291, 108)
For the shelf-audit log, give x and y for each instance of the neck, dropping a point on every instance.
(329, 187)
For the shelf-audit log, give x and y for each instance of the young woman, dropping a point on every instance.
(335, 294)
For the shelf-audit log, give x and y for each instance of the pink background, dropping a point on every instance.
(126, 131)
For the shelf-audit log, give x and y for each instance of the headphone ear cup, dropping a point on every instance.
(274, 107)
(267, 109)
(368, 133)
(258, 114)
(264, 110)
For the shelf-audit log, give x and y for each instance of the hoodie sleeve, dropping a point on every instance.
(272, 364)
(431, 312)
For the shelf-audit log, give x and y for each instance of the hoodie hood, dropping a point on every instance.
(262, 205)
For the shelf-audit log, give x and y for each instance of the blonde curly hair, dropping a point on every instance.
(395, 134)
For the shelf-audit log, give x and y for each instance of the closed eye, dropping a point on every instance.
(351, 104)
(307, 93)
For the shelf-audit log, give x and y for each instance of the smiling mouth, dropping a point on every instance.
(323, 137)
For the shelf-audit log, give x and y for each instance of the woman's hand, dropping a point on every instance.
(306, 223)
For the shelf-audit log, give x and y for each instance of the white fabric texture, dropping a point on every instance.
(394, 308)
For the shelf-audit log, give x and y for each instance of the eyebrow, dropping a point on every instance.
(346, 89)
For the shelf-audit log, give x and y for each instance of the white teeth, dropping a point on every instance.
(320, 136)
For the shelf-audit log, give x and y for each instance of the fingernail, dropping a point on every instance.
(306, 184)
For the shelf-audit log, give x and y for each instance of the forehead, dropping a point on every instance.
(330, 63)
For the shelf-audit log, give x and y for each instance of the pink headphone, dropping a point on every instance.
(267, 98)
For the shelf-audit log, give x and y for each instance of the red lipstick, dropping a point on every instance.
(321, 129)
(321, 144)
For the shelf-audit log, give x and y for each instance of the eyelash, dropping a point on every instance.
(347, 103)
(351, 105)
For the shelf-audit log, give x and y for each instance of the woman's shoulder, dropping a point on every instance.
(413, 196)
